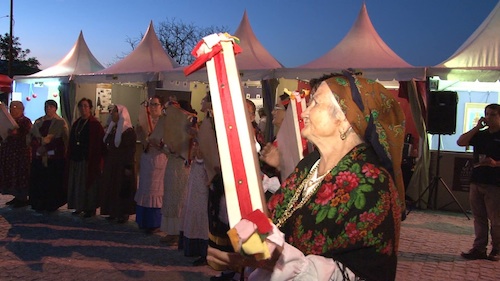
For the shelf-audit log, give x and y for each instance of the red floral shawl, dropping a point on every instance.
(354, 217)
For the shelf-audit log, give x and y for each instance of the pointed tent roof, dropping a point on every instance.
(79, 60)
(141, 65)
(148, 56)
(362, 47)
(478, 57)
(254, 62)
(254, 56)
(482, 48)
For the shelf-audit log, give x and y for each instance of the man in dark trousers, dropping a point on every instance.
(485, 183)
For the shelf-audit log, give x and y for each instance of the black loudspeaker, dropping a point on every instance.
(442, 112)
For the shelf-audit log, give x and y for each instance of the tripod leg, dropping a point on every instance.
(454, 198)
(429, 188)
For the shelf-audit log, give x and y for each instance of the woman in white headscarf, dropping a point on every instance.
(119, 179)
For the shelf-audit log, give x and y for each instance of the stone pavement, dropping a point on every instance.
(62, 247)
(430, 247)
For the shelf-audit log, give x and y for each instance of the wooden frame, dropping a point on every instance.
(473, 111)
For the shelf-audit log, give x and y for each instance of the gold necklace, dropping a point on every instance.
(292, 206)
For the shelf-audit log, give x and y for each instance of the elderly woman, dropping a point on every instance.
(118, 184)
(49, 139)
(339, 211)
(15, 159)
(85, 153)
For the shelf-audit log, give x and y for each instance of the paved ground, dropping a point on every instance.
(62, 247)
(430, 247)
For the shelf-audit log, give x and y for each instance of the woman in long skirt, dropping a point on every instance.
(149, 195)
(119, 180)
(85, 155)
(15, 158)
(49, 137)
(195, 222)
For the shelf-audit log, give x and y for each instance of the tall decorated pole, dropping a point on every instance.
(292, 146)
(298, 105)
(235, 136)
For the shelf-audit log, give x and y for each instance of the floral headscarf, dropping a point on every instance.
(376, 116)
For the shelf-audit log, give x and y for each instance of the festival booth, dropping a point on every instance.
(364, 50)
(56, 82)
(473, 72)
(131, 80)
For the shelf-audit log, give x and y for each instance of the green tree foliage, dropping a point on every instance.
(22, 64)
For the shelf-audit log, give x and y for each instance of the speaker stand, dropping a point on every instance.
(434, 184)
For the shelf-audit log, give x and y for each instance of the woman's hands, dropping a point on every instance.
(270, 155)
(235, 261)
(47, 139)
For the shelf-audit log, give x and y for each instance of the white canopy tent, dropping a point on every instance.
(254, 62)
(142, 65)
(78, 60)
(362, 48)
(35, 89)
(132, 79)
(473, 72)
(479, 56)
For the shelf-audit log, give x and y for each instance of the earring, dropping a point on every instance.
(343, 135)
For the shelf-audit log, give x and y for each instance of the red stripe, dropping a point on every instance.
(301, 126)
(202, 59)
(240, 177)
(150, 123)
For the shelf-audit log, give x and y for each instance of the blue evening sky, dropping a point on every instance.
(423, 32)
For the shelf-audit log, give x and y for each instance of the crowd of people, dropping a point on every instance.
(47, 164)
(335, 217)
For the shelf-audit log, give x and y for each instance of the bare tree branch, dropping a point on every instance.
(179, 38)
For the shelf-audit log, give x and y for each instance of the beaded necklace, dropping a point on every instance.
(307, 188)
